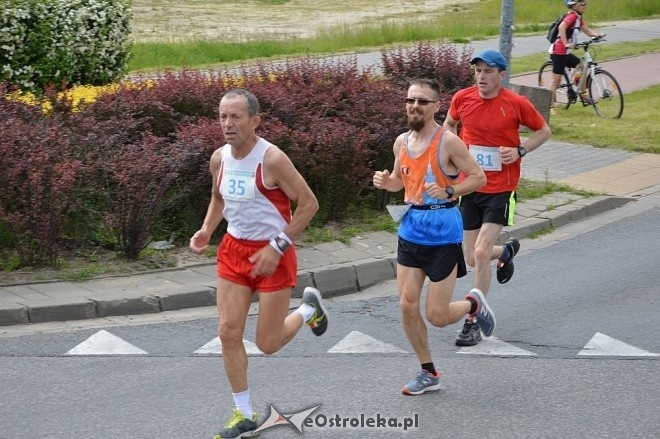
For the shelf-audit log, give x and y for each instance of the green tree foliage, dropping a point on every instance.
(61, 43)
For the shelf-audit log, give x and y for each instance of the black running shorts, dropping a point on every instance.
(478, 208)
(436, 261)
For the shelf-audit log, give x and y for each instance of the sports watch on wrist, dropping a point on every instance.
(282, 244)
(522, 151)
(450, 191)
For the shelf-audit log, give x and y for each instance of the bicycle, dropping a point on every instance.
(604, 92)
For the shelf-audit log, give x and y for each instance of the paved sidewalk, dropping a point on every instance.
(619, 32)
(337, 268)
(631, 73)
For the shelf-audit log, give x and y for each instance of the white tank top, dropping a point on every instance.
(252, 210)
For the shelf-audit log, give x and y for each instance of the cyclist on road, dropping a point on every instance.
(490, 117)
(560, 54)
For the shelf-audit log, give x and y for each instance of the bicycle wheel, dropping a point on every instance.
(565, 94)
(606, 94)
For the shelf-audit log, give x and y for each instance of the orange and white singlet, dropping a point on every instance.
(430, 221)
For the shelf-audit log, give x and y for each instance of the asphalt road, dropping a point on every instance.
(575, 355)
(619, 32)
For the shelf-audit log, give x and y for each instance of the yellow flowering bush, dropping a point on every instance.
(82, 94)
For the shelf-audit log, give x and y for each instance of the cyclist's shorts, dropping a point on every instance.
(235, 266)
(560, 62)
(478, 208)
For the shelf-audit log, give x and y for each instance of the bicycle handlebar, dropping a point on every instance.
(585, 45)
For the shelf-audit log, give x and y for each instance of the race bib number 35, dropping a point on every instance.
(237, 185)
(487, 157)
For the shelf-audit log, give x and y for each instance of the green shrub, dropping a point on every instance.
(61, 43)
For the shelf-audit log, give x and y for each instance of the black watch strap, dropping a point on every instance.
(282, 244)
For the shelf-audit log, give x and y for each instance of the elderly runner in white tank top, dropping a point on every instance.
(254, 183)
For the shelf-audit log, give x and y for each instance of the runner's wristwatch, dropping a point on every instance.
(522, 151)
(450, 191)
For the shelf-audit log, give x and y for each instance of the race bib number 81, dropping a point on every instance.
(487, 157)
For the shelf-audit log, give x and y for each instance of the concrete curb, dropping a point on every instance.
(563, 215)
(195, 286)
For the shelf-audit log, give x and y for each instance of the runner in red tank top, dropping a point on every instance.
(490, 117)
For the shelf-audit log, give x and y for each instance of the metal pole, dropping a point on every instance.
(506, 36)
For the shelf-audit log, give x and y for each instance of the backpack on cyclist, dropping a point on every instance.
(553, 30)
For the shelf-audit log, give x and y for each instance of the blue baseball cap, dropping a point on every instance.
(491, 57)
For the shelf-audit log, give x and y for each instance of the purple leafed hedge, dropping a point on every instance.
(133, 165)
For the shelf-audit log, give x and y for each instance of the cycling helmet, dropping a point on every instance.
(570, 3)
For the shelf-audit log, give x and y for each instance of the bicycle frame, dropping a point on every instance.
(605, 94)
(589, 67)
